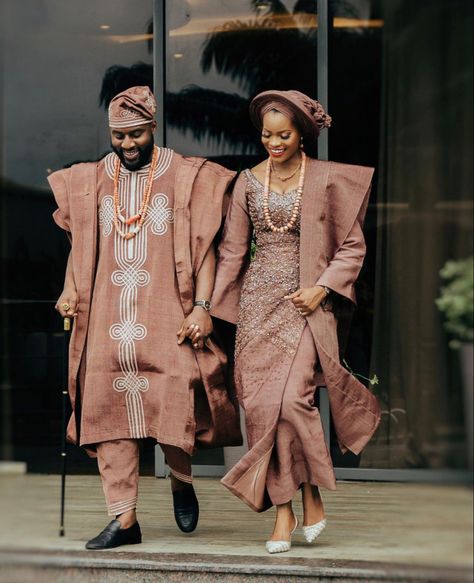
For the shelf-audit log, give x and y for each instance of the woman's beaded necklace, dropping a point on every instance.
(139, 218)
(296, 207)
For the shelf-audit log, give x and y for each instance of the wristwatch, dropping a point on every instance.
(327, 291)
(203, 304)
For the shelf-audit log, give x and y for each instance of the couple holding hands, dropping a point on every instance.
(145, 278)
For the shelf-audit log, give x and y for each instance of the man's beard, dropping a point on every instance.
(144, 156)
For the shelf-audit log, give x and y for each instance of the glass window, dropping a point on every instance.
(400, 95)
(54, 58)
(221, 54)
(218, 56)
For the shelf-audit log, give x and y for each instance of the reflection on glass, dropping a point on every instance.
(54, 56)
(219, 55)
(400, 97)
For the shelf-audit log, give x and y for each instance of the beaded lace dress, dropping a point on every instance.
(272, 274)
(275, 356)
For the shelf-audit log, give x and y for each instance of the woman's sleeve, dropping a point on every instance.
(233, 256)
(344, 268)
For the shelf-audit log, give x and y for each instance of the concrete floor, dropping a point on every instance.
(409, 524)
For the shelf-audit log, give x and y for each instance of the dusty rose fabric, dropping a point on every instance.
(308, 113)
(178, 461)
(299, 453)
(158, 395)
(331, 249)
(133, 107)
(275, 360)
(118, 462)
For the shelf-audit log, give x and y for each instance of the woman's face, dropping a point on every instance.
(280, 137)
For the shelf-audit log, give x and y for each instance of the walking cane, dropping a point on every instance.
(65, 375)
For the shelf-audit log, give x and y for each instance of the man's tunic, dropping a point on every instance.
(135, 380)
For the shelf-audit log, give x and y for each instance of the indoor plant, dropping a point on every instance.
(456, 301)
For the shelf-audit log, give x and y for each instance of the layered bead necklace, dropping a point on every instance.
(139, 218)
(297, 204)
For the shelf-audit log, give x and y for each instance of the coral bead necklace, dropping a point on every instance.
(296, 207)
(139, 218)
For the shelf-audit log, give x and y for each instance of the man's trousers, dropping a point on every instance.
(118, 462)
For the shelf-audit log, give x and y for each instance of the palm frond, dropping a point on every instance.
(258, 54)
(118, 78)
(215, 115)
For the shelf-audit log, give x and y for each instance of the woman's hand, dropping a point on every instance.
(307, 299)
(197, 327)
(68, 303)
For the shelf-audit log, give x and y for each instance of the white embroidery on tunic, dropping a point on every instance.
(131, 256)
(165, 156)
(159, 215)
(106, 215)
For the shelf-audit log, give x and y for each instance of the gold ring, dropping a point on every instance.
(65, 306)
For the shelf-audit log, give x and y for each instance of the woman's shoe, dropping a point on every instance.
(280, 546)
(312, 532)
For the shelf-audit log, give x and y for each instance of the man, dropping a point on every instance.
(138, 282)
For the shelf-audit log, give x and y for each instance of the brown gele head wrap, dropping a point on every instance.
(308, 114)
(133, 107)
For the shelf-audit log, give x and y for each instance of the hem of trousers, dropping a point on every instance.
(181, 477)
(123, 506)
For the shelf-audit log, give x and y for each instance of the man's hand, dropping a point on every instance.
(306, 300)
(68, 303)
(197, 327)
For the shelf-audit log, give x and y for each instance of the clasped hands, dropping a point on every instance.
(197, 326)
(307, 299)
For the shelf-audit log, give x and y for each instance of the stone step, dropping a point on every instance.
(39, 566)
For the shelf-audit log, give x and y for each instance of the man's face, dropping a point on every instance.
(134, 146)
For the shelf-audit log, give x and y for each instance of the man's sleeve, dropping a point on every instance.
(207, 207)
(59, 185)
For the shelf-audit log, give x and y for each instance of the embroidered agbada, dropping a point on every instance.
(135, 381)
(277, 349)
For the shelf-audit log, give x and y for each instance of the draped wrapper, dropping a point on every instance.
(332, 250)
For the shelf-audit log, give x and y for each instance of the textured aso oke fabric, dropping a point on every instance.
(277, 349)
(134, 107)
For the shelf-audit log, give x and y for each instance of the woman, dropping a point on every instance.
(307, 218)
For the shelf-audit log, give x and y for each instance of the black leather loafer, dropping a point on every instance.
(186, 509)
(114, 536)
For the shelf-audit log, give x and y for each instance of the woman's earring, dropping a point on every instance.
(301, 143)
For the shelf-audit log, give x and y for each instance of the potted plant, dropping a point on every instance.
(456, 301)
